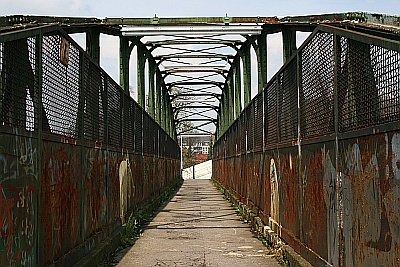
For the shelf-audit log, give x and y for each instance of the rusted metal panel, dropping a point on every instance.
(371, 198)
(318, 194)
(95, 188)
(266, 203)
(289, 190)
(19, 176)
(61, 189)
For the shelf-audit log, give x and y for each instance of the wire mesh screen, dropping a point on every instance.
(93, 101)
(270, 114)
(250, 126)
(236, 136)
(147, 133)
(138, 129)
(258, 121)
(128, 140)
(287, 103)
(60, 89)
(114, 114)
(317, 88)
(18, 84)
(368, 85)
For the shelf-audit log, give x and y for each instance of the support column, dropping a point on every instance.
(164, 110)
(238, 91)
(158, 97)
(246, 74)
(168, 114)
(231, 93)
(289, 44)
(141, 62)
(226, 108)
(124, 54)
(152, 71)
(222, 113)
(262, 61)
(93, 44)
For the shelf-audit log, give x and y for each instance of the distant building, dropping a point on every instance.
(199, 144)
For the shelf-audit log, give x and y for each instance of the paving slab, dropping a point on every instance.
(198, 227)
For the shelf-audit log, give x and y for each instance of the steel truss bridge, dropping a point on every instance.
(312, 154)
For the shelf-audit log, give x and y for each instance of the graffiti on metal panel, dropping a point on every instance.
(125, 183)
(372, 185)
(18, 202)
(274, 192)
(60, 199)
(96, 199)
(329, 182)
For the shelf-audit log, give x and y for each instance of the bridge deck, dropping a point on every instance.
(198, 228)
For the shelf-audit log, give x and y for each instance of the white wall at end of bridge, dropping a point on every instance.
(201, 171)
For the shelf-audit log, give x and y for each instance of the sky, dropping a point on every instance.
(190, 8)
(123, 8)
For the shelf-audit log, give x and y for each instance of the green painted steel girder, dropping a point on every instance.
(289, 43)
(141, 62)
(188, 20)
(237, 86)
(218, 84)
(261, 53)
(246, 74)
(93, 44)
(229, 43)
(231, 93)
(151, 100)
(159, 82)
(211, 56)
(124, 54)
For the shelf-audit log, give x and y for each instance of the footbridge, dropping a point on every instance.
(312, 153)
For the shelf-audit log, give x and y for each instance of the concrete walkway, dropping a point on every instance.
(198, 228)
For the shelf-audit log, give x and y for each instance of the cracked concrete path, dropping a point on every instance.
(198, 227)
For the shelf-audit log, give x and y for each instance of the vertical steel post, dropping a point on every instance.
(38, 80)
(141, 62)
(231, 110)
(93, 44)
(262, 61)
(246, 74)
(164, 109)
(151, 105)
(289, 44)
(338, 195)
(158, 97)
(226, 108)
(238, 91)
(124, 63)
(223, 100)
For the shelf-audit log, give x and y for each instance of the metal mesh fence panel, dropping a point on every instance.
(258, 121)
(93, 101)
(114, 115)
(317, 88)
(250, 126)
(128, 125)
(146, 132)
(287, 103)
(270, 113)
(368, 85)
(19, 93)
(138, 129)
(60, 88)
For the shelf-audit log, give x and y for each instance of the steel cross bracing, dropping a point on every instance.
(199, 69)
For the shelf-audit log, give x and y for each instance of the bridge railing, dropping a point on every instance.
(77, 153)
(316, 154)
